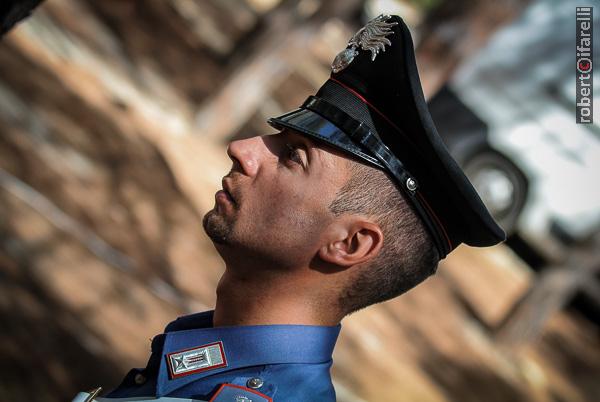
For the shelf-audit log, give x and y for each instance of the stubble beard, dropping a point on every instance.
(217, 228)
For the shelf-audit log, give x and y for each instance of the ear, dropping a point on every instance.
(352, 241)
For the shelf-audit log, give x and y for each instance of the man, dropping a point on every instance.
(353, 202)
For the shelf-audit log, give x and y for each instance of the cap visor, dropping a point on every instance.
(314, 125)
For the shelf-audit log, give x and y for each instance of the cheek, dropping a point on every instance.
(283, 204)
(293, 215)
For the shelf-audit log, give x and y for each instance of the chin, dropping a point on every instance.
(216, 227)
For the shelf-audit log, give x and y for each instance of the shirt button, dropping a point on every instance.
(255, 383)
(139, 379)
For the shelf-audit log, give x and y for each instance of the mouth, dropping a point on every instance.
(226, 191)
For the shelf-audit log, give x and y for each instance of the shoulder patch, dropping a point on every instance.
(237, 393)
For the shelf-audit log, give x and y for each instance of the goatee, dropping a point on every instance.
(216, 227)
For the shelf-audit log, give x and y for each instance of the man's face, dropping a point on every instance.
(274, 206)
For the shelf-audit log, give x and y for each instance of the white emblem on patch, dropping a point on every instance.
(197, 359)
(242, 399)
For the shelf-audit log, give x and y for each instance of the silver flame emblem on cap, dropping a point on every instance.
(370, 37)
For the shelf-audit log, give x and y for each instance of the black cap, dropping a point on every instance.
(372, 106)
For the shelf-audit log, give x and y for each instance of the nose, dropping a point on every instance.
(247, 153)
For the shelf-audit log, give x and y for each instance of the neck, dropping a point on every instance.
(254, 300)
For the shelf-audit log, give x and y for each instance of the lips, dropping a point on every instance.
(227, 189)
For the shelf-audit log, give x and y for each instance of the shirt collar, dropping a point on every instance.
(243, 346)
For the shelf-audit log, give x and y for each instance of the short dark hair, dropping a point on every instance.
(408, 255)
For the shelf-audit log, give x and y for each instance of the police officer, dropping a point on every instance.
(353, 202)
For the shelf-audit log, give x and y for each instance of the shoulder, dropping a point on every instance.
(301, 382)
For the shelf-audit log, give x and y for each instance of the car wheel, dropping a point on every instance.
(500, 184)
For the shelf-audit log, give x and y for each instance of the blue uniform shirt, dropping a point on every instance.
(192, 359)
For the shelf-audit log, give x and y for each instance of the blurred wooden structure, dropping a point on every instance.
(551, 291)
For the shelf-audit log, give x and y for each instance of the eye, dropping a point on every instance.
(293, 155)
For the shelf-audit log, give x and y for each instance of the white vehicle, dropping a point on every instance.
(508, 117)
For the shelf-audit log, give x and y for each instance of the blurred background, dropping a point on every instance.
(114, 118)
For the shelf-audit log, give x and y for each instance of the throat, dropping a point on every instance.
(280, 301)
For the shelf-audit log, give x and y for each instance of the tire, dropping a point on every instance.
(500, 184)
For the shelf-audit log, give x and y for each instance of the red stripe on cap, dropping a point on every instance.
(364, 100)
(379, 112)
(391, 123)
(436, 219)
